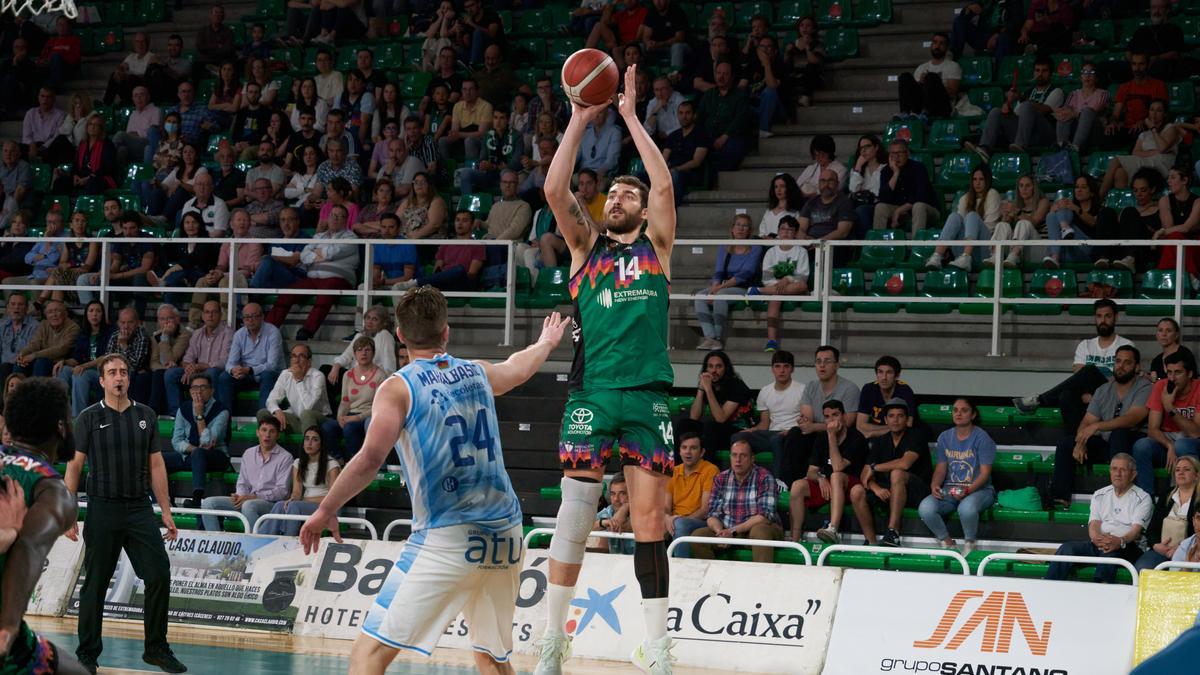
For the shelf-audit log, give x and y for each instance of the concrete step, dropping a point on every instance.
(847, 117)
(745, 179)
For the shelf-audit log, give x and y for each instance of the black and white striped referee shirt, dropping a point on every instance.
(118, 446)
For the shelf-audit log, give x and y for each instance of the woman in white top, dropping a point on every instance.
(823, 151)
(308, 99)
(1155, 148)
(784, 272)
(864, 181)
(313, 474)
(1189, 549)
(1172, 515)
(977, 215)
(1027, 210)
(304, 180)
(784, 199)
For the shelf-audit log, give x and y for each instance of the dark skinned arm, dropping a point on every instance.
(52, 512)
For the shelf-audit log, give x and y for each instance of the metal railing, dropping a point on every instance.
(898, 550)
(820, 291)
(1179, 565)
(348, 520)
(1052, 558)
(740, 542)
(600, 534)
(399, 522)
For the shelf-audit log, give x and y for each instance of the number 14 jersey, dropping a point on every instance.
(450, 448)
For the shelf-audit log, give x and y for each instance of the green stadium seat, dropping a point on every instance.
(977, 70)
(831, 13)
(946, 135)
(917, 255)
(389, 55)
(1097, 162)
(412, 85)
(214, 143)
(748, 10)
(886, 283)
(1100, 31)
(841, 44)
(1007, 167)
(1049, 284)
(1023, 65)
(151, 11)
(42, 175)
(949, 282)
(790, 11)
(876, 257)
(1011, 286)
(1191, 29)
(1121, 280)
(92, 205)
(558, 50)
(872, 12)
(1119, 198)
(120, 120)
(986, 98)
(479, 203)
(907, 131)
(1182, 99)
(1127, 27)
(129, 201)
(956, 170)
(551, 287)
(1066, 69)
(1156, 284)
(842, 281)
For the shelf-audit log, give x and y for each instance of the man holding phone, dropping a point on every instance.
(1172, 429)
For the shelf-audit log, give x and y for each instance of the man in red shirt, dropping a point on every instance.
(1172, 429)
(1134, 98)
(61, 54)
(618, 27)
(457, 267)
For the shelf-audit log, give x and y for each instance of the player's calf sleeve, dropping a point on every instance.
(650, 566)
(580, 497)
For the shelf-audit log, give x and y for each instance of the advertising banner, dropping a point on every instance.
(897, 622)
(1168, 603)
(725, 615)
(54, 587)
(217, 579)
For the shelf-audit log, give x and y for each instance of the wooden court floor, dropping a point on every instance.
(208, 651)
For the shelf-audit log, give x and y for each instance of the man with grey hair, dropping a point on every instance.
(264, 209)
(135, 139)
(212, 209)
(167, 347)
(510, 216)
(661, 118)
(375, 326)
(1117, 521)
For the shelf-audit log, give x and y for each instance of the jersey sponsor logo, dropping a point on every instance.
(605, 298)
(26, 463)
(492, 550)
(659, 408)
(580, 422)
(449, 483)
(142, 425)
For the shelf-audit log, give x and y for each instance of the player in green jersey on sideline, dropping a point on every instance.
(620, 272)
(35, 509)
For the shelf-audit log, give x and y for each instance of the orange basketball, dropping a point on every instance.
(590, 77)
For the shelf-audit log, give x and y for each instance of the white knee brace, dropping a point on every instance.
(579, 502)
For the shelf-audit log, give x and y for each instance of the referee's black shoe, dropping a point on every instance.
(166, 660)
(89, 665)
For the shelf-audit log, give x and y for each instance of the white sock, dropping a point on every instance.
(558, 598)
(655, 611)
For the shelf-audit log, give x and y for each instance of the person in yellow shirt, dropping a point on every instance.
(689, 490)
(589, 195)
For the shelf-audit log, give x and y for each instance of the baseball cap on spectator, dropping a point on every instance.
(896, 403)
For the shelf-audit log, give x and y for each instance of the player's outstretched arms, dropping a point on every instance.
(388, 411)
(660, 216)
(52, 512)
(573, 221)
(519, 367)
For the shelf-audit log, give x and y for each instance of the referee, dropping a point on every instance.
(119, 438)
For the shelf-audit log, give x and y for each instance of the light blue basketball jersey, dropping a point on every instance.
(450, 448)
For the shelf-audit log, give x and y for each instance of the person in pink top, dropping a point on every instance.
(248, 258)
(1080, 117)
(456, 267)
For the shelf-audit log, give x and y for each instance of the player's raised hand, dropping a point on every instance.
(553, 328)
(588, 114)
(627, 100)
(318, 522)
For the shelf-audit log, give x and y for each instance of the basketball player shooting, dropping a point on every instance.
(465, 550)
(620, 271)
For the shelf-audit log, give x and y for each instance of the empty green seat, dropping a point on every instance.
(1191, 29)
(911, 132)
(478, 203)
(748, 10)
(887, 283)
(956, 170)
(875, 257)
(946, 135)
(1097, 163)
(1119, 198)
(1010, 287)
(1127, 27)
(42, 175)
(551, 288)
(1065, 69)
(1156, 284)
(1100, 31)
(976, 70)
(1022, 64)
(558, 50)
(1121, 280)
(872, 12)
(841, 43)
(1182, 98)
(1049, 284)
(1007, 167)
(949, 282)
(986, 98)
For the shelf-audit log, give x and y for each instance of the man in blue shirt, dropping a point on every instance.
(200, 440)
(600, 148)
(255, 358)
(393, 265)
(904, 190)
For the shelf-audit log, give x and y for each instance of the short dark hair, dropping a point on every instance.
(1183, 357)
(1104, 303)
(414, 119)
(1043, 60)
(340, 115)
(942, 34)
(202, 375)
(131, 216)
(887, 360)
(783, 356)
(1137, 355)
(389, 216)
(589, 172)
(617, 479)
(637, 184)
(688, 103)
(689, 435)
(35, 408)
(833, 404)
(837, 355)
(822, 143)
(271, 422)
(108, 358)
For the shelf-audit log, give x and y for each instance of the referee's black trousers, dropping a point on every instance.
(113, 525)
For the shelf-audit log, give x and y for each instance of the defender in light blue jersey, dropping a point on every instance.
(465, 551)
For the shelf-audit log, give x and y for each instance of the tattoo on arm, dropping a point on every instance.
(577, 213)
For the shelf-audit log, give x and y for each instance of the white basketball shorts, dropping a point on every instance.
(442, 572)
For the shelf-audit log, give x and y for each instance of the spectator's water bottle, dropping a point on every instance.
(958, 491)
